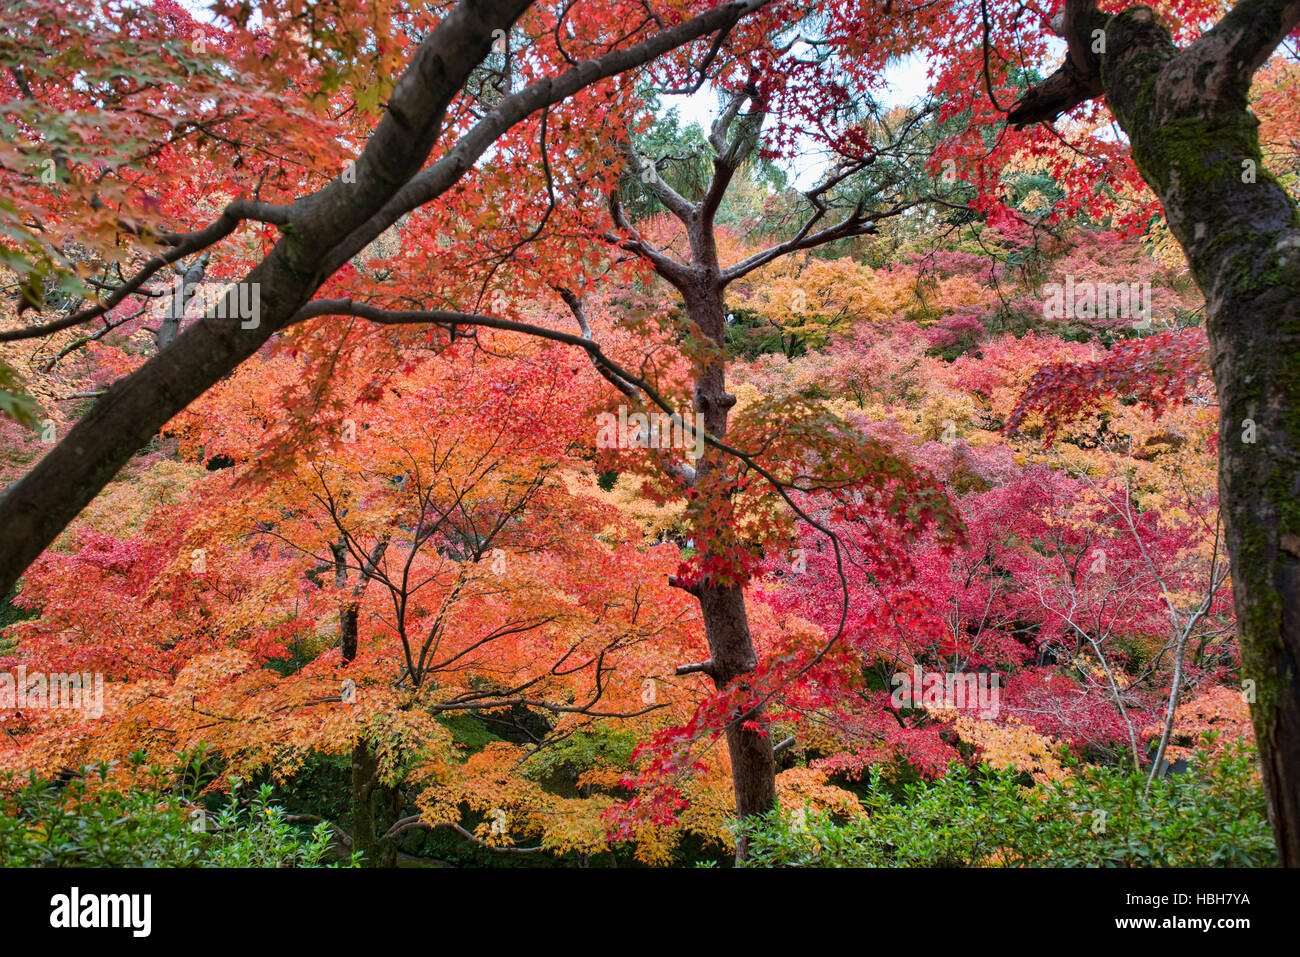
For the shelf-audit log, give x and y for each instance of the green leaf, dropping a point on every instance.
(14, 403)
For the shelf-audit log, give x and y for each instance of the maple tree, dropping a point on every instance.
(319, 232)
(392, 574)
(1202, 132)
(405, 386)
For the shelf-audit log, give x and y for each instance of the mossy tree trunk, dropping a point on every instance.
(364, 771)
(1196, 143)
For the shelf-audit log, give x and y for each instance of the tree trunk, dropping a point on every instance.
(1196, 144)
(731, 650)
(365, 771)
(378, 851)
(726, 623)
(184, 292)
(702, 282)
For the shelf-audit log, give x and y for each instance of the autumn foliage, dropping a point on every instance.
(393, 543)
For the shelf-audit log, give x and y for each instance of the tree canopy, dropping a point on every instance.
(605, 430)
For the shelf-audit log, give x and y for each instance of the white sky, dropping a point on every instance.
(905, 82)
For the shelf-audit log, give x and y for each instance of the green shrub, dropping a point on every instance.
(1214, 815)
(89, 822)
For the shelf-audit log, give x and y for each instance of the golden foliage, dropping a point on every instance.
(1013, 745)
